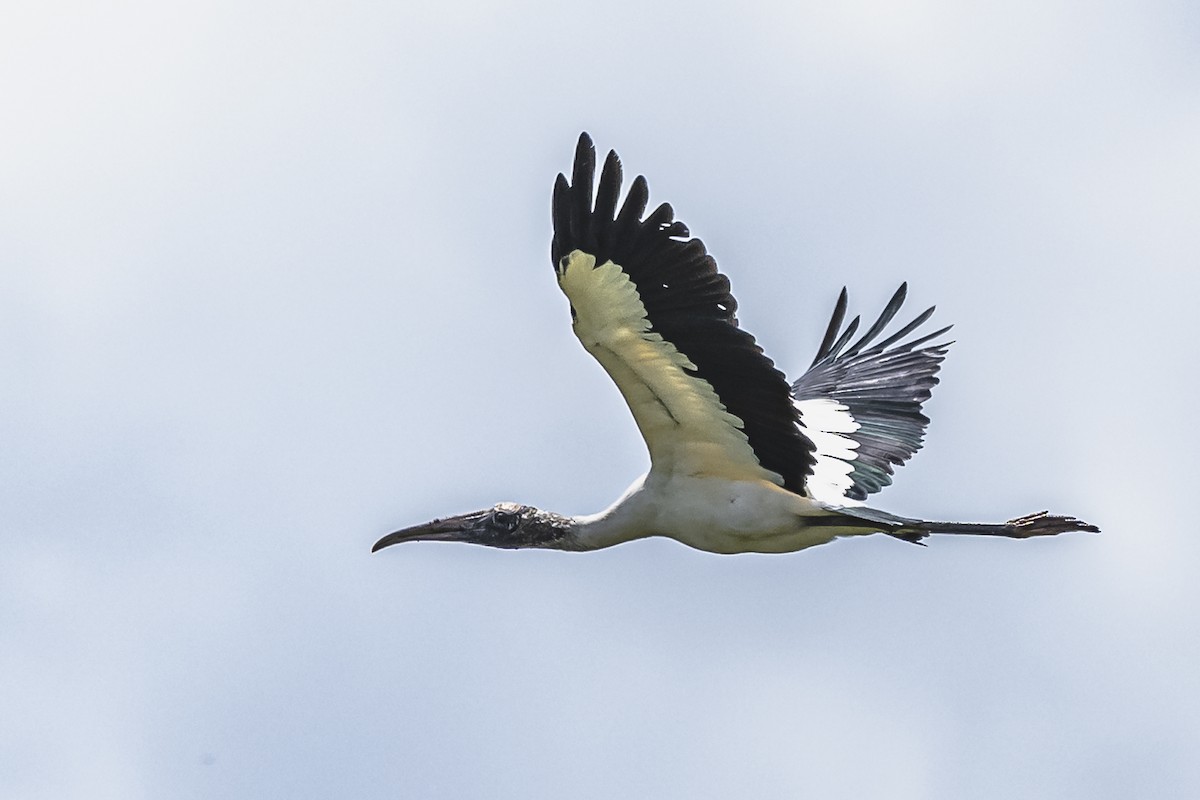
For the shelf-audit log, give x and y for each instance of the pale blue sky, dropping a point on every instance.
(274, 280)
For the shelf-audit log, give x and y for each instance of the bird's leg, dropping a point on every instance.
(1043, 523)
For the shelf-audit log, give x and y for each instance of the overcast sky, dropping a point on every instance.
(275, 280)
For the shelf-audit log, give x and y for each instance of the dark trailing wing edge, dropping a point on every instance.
(688, 302)
(883, 384)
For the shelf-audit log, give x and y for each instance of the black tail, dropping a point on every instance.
(1043, 523)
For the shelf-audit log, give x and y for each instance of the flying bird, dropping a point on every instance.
(740, 461)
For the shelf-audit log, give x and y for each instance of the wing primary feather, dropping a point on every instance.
(845, 337)
(889, 311)
(905, 331)
(561, 213)
(835, 324)
(661, 217)
(630, 215)
(581, 192)
(924, 339)
(609, 191)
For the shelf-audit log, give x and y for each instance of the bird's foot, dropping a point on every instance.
(1043, 523)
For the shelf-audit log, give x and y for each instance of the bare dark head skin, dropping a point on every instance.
(506, 525)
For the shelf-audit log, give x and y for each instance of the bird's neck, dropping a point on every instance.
(594, 532)
(623, 521)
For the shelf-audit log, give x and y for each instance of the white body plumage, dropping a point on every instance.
(715, 514)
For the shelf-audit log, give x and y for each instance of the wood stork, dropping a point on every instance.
(740, 461)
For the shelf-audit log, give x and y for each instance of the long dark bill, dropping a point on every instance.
(450, 529)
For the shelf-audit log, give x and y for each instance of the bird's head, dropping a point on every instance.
(507, 525)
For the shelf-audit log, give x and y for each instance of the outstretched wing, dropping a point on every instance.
(860, 403)
(648, 302)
